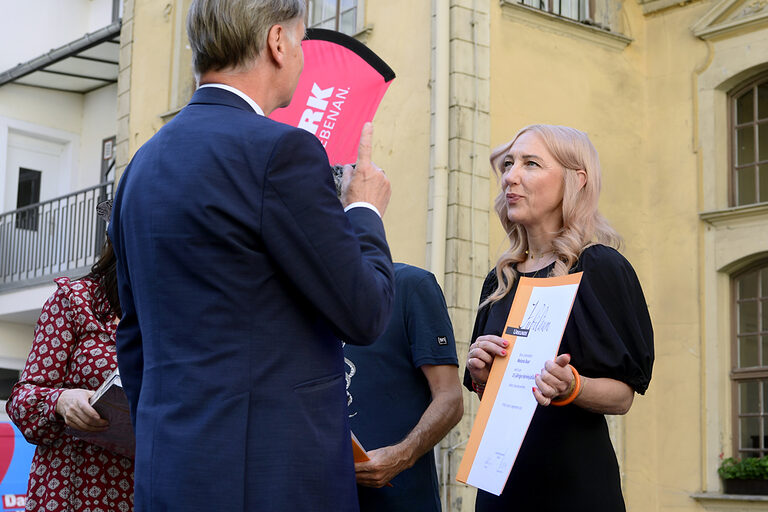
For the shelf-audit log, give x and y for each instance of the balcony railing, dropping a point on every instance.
(54, 237)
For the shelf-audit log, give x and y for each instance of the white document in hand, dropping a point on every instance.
(534, 329)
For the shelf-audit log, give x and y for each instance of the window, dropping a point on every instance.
(340, 15)
(749, 141)
(750, 372)
(579, 10)
(8, 378)
(28, 194)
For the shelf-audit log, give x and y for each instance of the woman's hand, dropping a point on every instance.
(600, 395)
(556, 379)
(481, 354)
(73, 406)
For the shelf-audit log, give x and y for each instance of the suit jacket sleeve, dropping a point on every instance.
(339, 262)
(131, 361)
(128, 339)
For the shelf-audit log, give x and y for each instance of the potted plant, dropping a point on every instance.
(748, 476)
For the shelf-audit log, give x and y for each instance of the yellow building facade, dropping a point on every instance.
(662, 87)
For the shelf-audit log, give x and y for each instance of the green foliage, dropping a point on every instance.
(749, 468)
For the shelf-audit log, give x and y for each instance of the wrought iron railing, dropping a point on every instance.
(52, 237)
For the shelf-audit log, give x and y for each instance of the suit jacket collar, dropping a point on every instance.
(216, 96)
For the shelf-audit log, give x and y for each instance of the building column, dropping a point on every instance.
(122, 151)
(468, 205)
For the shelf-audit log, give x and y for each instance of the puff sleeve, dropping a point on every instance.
(609, 333)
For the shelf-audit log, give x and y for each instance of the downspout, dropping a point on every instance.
(439, 199)
(440, 132)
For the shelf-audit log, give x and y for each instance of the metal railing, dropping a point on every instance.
(53, 237)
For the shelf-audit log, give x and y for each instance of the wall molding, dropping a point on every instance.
(564, 26)
(653, 6)
(730, 16)
(734, 214)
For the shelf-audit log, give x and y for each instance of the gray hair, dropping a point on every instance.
(227, 34)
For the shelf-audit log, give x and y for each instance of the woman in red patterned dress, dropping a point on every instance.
(73, 352)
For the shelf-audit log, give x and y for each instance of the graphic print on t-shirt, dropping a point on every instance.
(349, 372)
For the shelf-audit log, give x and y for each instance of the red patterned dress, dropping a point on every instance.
(74, 347)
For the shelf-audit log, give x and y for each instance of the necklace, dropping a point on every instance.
(532, 256)
(536, 272)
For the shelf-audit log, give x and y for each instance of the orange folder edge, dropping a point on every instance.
(515, 318)
(359, 453)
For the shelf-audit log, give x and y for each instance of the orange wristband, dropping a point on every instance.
(576, 389)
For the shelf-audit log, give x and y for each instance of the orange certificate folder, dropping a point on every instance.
(534, 329)
(358, 451)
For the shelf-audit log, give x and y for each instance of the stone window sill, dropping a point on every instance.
(564, 26)
(363, 34)
(716, 502)
(735, 213)
(167, 116)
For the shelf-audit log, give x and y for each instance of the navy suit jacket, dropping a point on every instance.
(238, 272)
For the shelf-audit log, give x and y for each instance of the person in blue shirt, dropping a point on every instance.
(404, 396)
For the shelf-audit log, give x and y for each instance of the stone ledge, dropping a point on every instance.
(653, 6)
(564, 26)
(717, 502)
(167, 116)
(735, 213)
(364, 34)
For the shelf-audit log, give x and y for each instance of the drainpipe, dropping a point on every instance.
(440, 90)
(439, 200)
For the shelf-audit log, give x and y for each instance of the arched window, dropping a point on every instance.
(749, 143)
(750, 362)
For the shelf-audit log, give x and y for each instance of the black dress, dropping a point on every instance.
(567, 462)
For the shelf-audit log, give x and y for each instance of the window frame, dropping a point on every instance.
(750, 374)
(359, 25)
(733, 125)
(585, 8)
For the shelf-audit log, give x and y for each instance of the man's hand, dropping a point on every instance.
(365, 182)
(73, 406)
(385, 464)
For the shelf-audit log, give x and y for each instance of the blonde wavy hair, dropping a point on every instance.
(582, 223)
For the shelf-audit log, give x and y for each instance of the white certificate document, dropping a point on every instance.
(534, 329)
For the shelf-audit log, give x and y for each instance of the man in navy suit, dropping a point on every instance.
(238, 274)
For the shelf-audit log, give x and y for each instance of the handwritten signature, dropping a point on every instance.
(537, 319)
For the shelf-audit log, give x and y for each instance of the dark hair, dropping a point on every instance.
(105, 273)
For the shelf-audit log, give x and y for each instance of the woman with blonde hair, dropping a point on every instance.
(550, 185)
